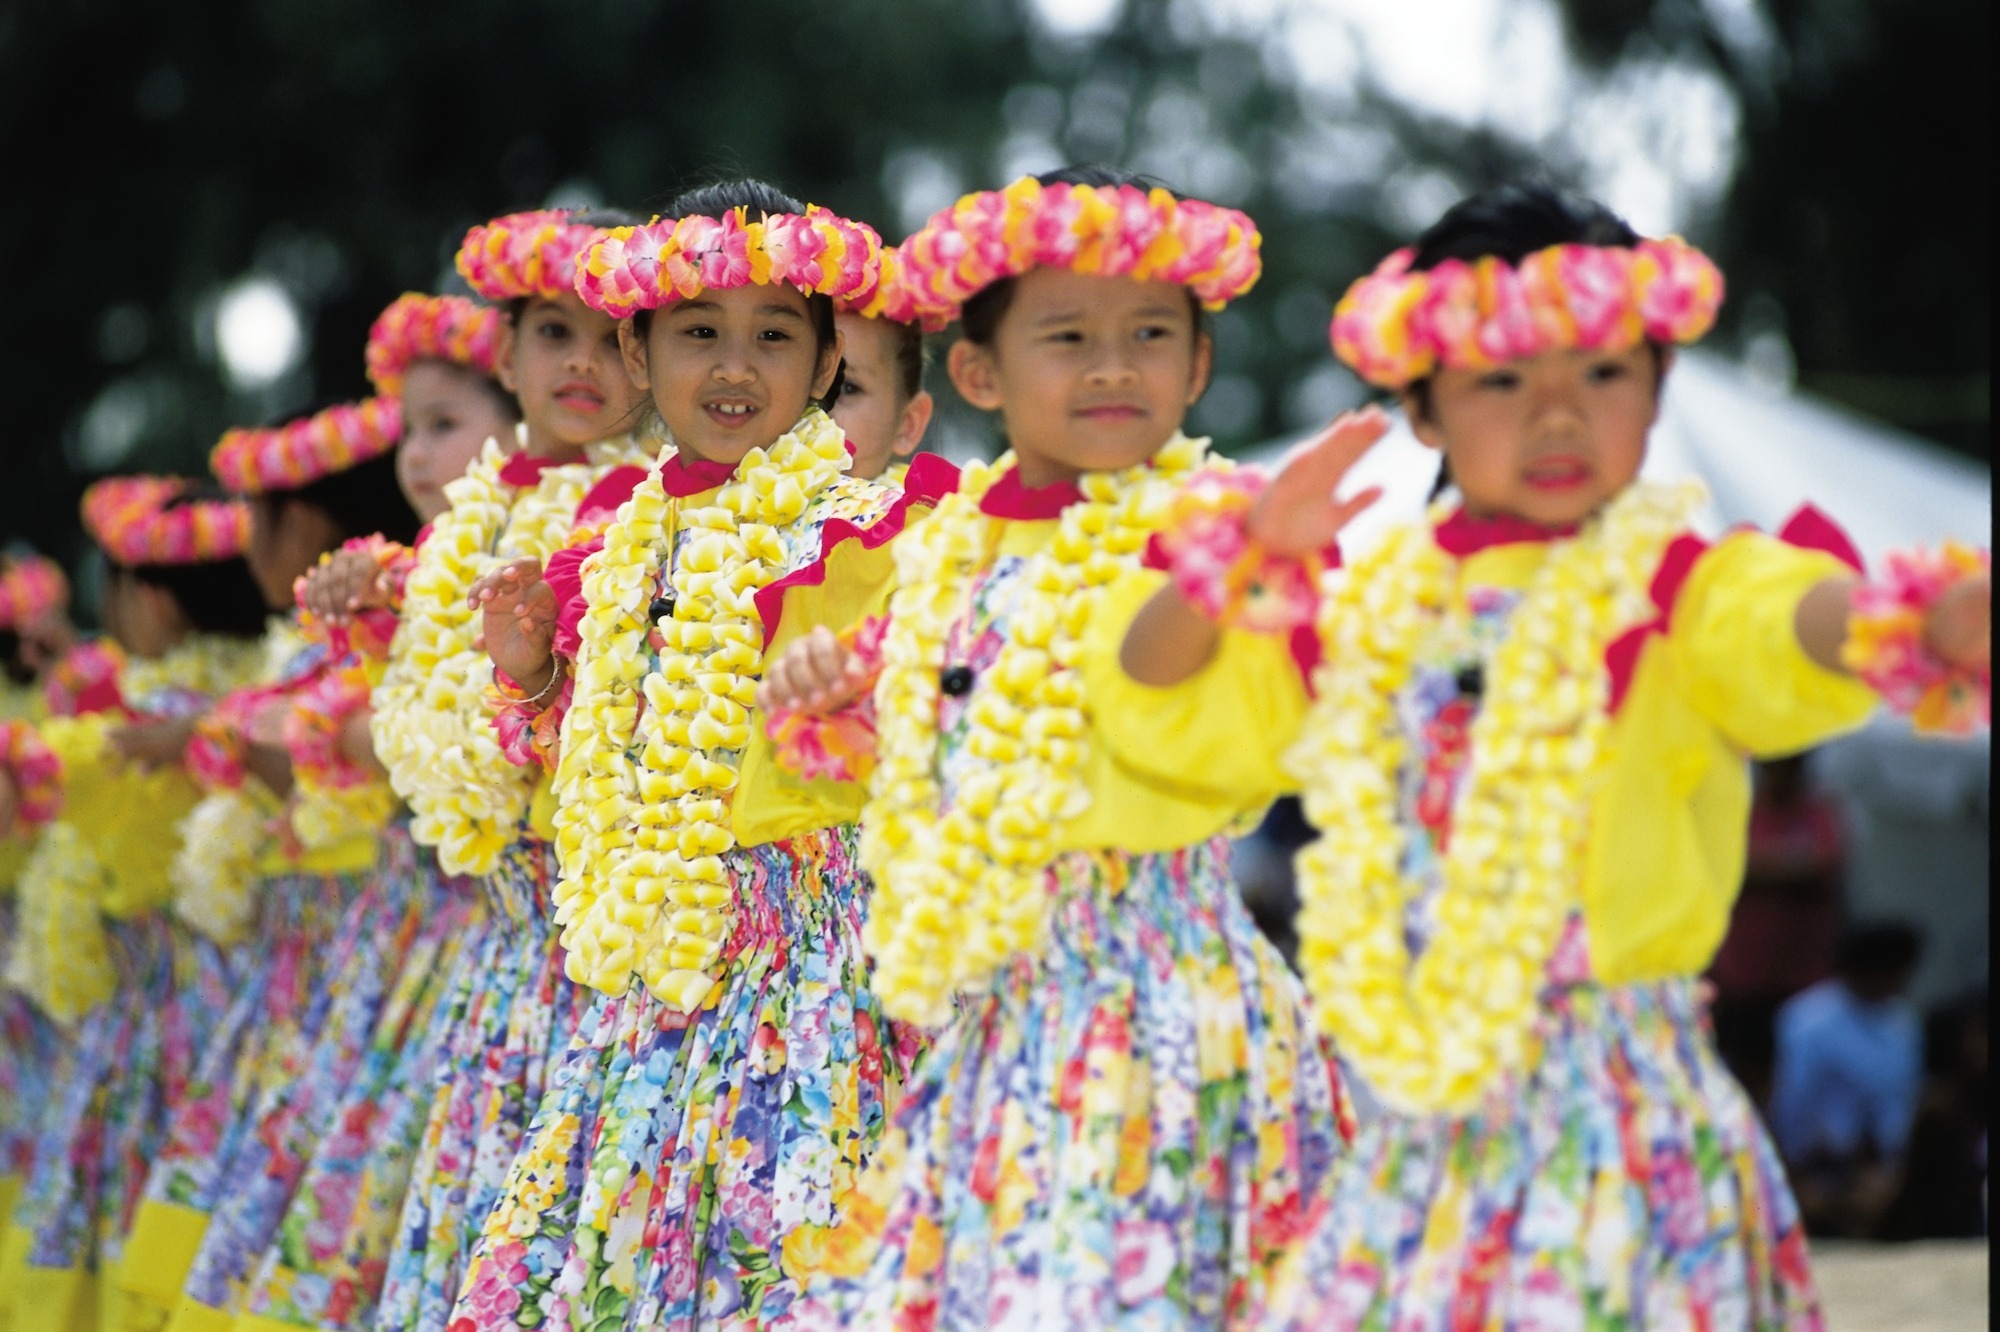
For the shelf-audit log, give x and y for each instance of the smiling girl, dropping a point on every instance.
(1125, 1113)
(727, 1085)
(1527, 759)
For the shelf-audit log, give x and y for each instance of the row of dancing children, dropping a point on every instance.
(909, 988)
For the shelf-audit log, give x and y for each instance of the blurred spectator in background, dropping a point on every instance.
(1786, 923)
(1849, 1072)
(1944, 1187)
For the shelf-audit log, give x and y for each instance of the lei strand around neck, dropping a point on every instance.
(958, 892)
(431, 724)
(649, 757)
(1434, 1036)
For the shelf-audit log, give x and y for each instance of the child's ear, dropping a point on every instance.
(829, 363)
(1204, 366)
(632, 350)
(910, 428)
(1417, 408)
(974, 374)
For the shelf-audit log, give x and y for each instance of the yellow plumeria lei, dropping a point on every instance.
(958, 894)
(431, 727)
(1433, 1036)
(215, 870)
(61, 957)
(209, 664)
(649, 760)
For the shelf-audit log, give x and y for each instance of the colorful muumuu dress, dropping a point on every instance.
(677, 1151)
(505, 1006)
(1619, 1177)
(1125, 1128)
(99, 949)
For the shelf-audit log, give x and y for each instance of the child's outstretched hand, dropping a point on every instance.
(351, 581)
(154, 744)
(1298, 514)
(817, 675)
(1959, 624)
(518, 625)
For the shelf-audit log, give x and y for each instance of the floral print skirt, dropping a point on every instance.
(506, 1012)
(1126, 1132)
(326, 1264)
(676, 1153)
(257, 1050)
(127, 1070)
(30, 1053)
(1625, 1182)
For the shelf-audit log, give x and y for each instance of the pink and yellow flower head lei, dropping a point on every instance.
(417, 327)
(1107, 230)
(524, 255)
(1400, 324)
(30, 587)
(251, 462)
(674, 259)
(130, 517)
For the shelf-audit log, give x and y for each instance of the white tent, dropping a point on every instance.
(1762, 452)
(1917, 808)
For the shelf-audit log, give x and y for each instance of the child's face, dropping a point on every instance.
(1088, 373)
(142, 618)
(1550, 438)
(560, 358)
(448, 415)
(731, 370)
(286, 539)
(880, 422)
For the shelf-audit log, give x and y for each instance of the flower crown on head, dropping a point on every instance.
(31, 585)
(1399, 324)
(286, 457)
(525, 254)
(128, 516)
(889, 296)
(417, 327)
(1105, 230)
(673, 259)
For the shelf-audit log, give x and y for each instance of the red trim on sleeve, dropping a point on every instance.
(1810, 529)
(564, 575)
(1008, 498)
(612, 489)
(929, 480)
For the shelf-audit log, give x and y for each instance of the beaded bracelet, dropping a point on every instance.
(1885, 641)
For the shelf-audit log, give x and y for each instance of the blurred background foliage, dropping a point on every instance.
(211, 201)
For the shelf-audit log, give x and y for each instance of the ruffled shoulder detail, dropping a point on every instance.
(564, 575)
(603, 499)
(929, 479)
(1807, 529)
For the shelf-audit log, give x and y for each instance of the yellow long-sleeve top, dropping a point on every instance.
(1722, 678)
(109, 851)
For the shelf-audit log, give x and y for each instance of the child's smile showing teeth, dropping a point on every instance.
(730, 412)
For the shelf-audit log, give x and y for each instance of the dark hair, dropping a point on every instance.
(217, 596)
(754, 197)
(1512, 222)
(11, 665)
(910, 358)
(1881, 951)
(362, 500)
(979, 318)
(602, 218)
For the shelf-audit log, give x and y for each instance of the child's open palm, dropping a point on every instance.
(518, 621)
(1298, 512)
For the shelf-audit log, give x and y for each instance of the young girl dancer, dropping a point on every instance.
(1527, 758)
(509, 1007)
(1126, 1113)
(246, 877)
(96, 947)
(324, 1261)
(724, 1089)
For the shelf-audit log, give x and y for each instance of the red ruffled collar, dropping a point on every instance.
(686, 476)
(523, 470)
(1462, 534)
(1008, 498)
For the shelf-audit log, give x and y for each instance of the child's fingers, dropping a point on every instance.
(1347, 510)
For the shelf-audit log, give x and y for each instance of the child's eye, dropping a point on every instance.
(552, 329)
(1069, 335)
(1499, 379)
(702, 331)
(850, 389)
(1154, 332)
(1606, 371)
(775, 335)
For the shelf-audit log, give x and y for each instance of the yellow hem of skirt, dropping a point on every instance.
(194, 1316)
(160, 1254)
(264, 1323)
(55, 1299)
